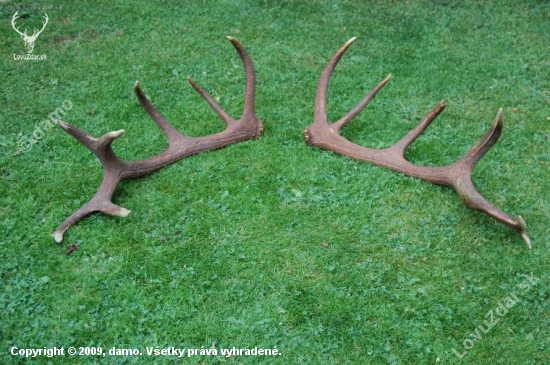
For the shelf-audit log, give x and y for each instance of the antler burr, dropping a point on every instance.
(179, 145)
(326, 135)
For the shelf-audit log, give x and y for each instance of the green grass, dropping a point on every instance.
(272, 243)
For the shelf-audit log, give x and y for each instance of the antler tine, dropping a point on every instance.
(410, 137)
(213, 104)
(250, 88)
(179, 146)
(37, 32)
(96, 145)
(13, 19)
(46, 23)
(171, 133)
(322, 88)
(362, 104)
(101, 202)
(322, 91)
(457, 175)
(477, 151)
(462, 181)
(250, 76)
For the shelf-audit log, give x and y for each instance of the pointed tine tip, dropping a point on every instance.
(346, 46)
(500, 116)
(523, 232)
(192, 82)
(234, 41)
(114, 134)
(440, 107)
(69, 128)
(138, 91)
(387, 79)
(196, 86)
(62, 124)
(58, 236)
(123, 212)
(351, 40)
(527, 240)
(498, 123)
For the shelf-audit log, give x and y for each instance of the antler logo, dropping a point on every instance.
(29, 40)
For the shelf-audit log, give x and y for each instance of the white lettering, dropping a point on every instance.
(492, 324)
(469, 345)
(459, 355)
(70, 104)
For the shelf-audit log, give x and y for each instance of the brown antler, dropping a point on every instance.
(458, 175)
(179, 145)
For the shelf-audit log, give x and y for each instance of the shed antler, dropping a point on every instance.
(179, 145)
(458, 175)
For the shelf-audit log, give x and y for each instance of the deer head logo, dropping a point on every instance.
(29, 40)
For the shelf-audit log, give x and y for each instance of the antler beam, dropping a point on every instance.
(179, 146)
(458, 175)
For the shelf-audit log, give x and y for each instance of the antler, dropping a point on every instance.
(35, 34)
(179, 145)
(458, 175)
(13, 19)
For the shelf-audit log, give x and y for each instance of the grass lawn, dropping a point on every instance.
(270, 243)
